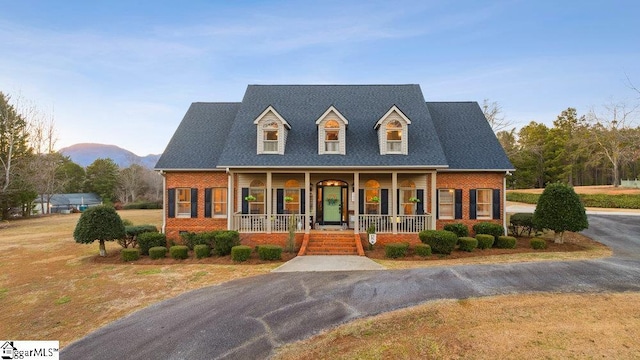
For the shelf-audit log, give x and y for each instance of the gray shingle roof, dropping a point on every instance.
(223, 134)
(200, 137)
(466, 137)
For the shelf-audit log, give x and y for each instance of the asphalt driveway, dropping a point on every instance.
(248, 318)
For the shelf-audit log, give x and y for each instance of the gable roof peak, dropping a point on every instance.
(328, 111)
(271, 109)
(395, 109)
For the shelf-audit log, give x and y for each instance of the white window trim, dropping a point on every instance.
(214, 202)
(490, 203)
(332, 114)
(183, 215)
(452, 204)
(271, 115)
(381, 126)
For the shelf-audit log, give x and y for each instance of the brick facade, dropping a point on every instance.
(200, 181)
(467, 181)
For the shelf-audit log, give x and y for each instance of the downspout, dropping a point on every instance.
(504, 203)
(164, 201)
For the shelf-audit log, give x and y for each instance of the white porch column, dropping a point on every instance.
(504, 204)
(307, 201)
(433, 200)
(268, 200)
(164, 201)
(230, 202)
(394, 202)
(356, 196)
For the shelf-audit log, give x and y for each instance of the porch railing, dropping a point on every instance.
(404, 223)
(257, 223)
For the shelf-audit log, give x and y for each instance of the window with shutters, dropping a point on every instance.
(407, 198)
(219, 202)
(372, 197)
(446, 203)
(292, 196)
(257, 191)
(183, 202)
(484, 204)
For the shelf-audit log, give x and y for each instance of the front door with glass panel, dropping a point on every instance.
(332, 205)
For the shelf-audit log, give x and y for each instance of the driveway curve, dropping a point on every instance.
(248, 318)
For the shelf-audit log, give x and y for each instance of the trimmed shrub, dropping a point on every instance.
(148, 240)
(441, 241)
(269, 252)
(224, 241)
(130, 254)
(521, 223)
(538, 243)
(131, 233)
(240, 253)
(179, 252)
(100, 223)
(505, 242)
(157, 252)
(467, 243)
(396, 250)
(191, 239)
(127, 222)
(460, 229)
(490, 228)
(423, 250)
(485, 241)
(526, 198)
(202, 251)
(560, 209)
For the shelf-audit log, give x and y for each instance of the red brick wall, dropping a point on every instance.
(201, 181)
(382, 239)
(272, 239)
(467, 181)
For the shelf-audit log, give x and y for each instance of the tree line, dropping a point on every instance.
(32, 170)
(598, 148)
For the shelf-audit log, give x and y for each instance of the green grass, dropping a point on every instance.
(63, 300)
(626, 201)
(198, 275)
(149, 272)
(3, 292)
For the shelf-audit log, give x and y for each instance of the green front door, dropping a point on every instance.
(331, 204)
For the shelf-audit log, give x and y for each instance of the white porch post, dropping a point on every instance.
(307, 201)
(230, 200)
(504, 204)
(394, 204)
(356, 196)
(268, 202)
(433, 200)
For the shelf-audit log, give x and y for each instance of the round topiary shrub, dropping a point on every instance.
(485, 241)
(179, 252)
(538, 243)
(157, 252)
(130, 254)
(269, 252)
(467, 243)
(423, 250)
(202, 251)
(441, 241)
(560, 209)
(240, 253)
(489, 228)
(505, 242)
(100, 223)
(460, 229)
(396, 250)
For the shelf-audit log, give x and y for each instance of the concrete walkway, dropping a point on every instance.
(311, 263)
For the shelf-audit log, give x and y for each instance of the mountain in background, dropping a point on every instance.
(85, 154)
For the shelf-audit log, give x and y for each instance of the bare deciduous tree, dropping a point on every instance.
(493, 112)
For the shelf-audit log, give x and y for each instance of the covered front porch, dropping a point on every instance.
(392, 202)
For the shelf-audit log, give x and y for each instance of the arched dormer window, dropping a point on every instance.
(393, 132)
(332, 128)
(272, 130)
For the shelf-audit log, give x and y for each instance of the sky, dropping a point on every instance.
(125, 72)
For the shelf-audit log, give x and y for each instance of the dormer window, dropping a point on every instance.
(331, 137)
(272, 130)
(270, 137)
(332, 128)
(393, 132)
(394, 137)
